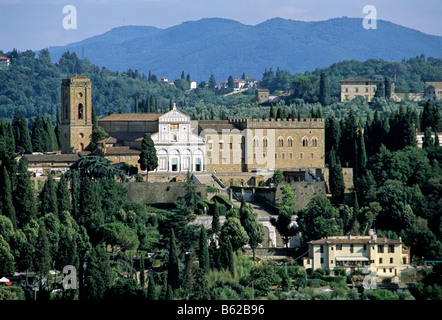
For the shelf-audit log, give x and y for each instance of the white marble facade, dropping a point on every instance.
(178, 148)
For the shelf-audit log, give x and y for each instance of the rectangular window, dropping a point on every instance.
(380, 249)
(391, 248)
(391, 260)
(198, 166)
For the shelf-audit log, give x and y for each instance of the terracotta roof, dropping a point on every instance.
(354, 239)
(359, 80)
(119, 150)
(132, 117)
(217, 125)
(4, 58)
(68, 157)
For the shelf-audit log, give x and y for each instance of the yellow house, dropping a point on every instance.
(383, 256)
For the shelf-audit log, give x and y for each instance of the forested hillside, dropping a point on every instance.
(31, 85)
(223, 47)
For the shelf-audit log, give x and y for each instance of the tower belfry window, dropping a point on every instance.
(80, 111)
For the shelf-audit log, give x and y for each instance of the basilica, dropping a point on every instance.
(234, 147)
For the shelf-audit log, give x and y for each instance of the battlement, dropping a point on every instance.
(309, 123)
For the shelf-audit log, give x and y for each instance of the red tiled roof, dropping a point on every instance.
(119, 150)
(132, 117)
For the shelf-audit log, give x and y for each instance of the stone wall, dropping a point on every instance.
(303, 192)
(159, 192)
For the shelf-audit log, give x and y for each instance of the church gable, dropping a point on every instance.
(174, 116)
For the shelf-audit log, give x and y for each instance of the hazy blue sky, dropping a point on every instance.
(33, 24)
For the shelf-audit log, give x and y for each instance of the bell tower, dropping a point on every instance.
(76, 114)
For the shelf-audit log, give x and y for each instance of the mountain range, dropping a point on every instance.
(224, 47)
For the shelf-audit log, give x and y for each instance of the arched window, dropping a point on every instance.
(80, 111)
(304, 142)
(314, 142)
(265, 142)
(280, 142)
(255, 142)
(289, 142)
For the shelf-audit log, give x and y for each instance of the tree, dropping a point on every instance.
(6, 202)
(333, 134)
(148, 157)
(90, 212)
(234, 232)
(48, 197)
(278, 176)
(336, 180)
(204, 260)
(187, 203)
(380, 90)
(254, 228)
(94, 167)
(324, 90)
(284, 223)
(212, 82)
(151, 289)
(230, 82)
(319, 219)
(98, 275)
(39, 136)
(63, 197)
(24, 198)
(6, 259)
(57, 129)
(173, 272)
(98, 132)
(42, 256)
(215, 219)
(387, 83)
(431, 117)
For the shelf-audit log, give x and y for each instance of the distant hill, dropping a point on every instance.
(225, 47)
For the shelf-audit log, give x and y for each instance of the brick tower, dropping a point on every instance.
(76, 114)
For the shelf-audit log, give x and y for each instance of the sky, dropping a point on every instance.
(33, 24)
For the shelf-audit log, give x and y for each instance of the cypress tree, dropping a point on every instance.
(90, 211)
(212, 82)
(204, 260)
(324, 90)
(215, 219)
(98, 275)
(151, 293)
(427, 141)
(148, 157)
(24, 199)
(42, 256)
(63, 198)
(7, 206)
(336, 181)
(387, 83)
(48, 197)
(173, 274)
(39, 136)
(57, 129)
(52, 143)
(142, 271)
